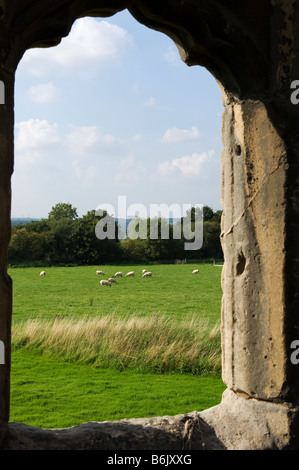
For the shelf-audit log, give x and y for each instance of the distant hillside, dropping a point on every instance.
(122, 222)
(23, 221)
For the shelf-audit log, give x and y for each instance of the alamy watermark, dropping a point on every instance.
(295, 354)
(151, 225)
(2, 353)
(295, 94)
(2, 92)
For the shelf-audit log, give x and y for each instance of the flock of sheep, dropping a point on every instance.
(108, 282)
(112, 279)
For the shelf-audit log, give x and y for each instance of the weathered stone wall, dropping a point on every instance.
(254, 167)
(252, 49)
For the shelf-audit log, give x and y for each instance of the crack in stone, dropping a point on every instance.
(237, 219)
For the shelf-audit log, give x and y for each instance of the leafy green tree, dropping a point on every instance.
(63, 249)
(88, 248)
(62, 222)
(64, 238)
(63, 211)
(217, 216)
(208, 213)
(165, 245)
(38, 226)
(132, 250)
(152, 239)
(211, 240)
(211, 247)
(19, 244)
(29, 245)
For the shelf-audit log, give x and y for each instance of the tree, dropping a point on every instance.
(152, 239)
(88, 248)
(211, 247)
(63, 210)
(194, 212)
(211, 240)
(217, 216)
(30, 245)
(63, 247)
(39, 226)
(132, 250)
(208, 213)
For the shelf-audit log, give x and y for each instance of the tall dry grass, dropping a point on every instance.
(153, 344)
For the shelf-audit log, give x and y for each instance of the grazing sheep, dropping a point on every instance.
(131, 273)
(147, 274)
(100, 272)
(118, 274)
(111, 279)
(143, 271)
(43, 273)
(103, 282)
(196, 271)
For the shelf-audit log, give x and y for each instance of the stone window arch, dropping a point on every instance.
(251, 48)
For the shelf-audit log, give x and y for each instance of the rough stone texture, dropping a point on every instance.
(182, 432)
(252, 49)
(254, 356)
(237, 423)
(243, 423)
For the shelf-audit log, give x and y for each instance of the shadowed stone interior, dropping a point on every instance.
(252, 50)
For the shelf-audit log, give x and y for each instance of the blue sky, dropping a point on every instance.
(113, 111)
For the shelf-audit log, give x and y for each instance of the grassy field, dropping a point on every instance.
(52, 394)
(116, 352)
(172, 290)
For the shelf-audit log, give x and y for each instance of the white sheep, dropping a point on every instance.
(147, 274)
(100, 272)
(118, 274)
(143, 271)
(43, 273)
(195, 271)
(111, 279)
(130, 273)
(103, 282)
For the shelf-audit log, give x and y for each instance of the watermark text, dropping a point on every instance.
(2, 353)
(295, 93)
(2, 92)
(151, 226)
(164, 460)
(295, 354)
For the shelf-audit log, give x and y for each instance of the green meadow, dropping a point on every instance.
(75, 291)
(142, 347)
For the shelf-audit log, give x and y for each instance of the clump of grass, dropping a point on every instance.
(149, 344)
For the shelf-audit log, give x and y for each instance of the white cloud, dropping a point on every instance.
(129, 171)
(175, 135)
(189, 165)
(27, 159)
(87, 138)
(35, 134)
(87, 176)
(36, 143)
(44, 93)
(89, 44)
(135, 138)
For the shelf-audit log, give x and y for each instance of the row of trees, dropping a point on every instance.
(64, 238)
